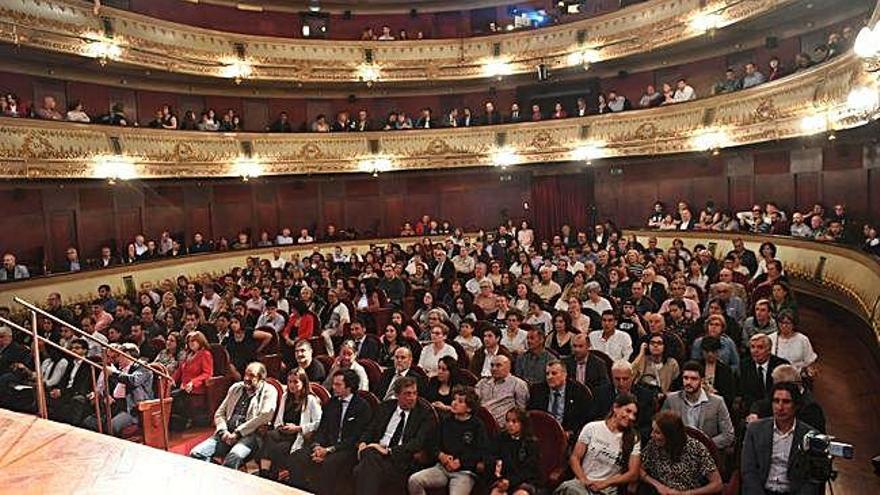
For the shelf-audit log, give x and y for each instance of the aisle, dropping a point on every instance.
(848, 388)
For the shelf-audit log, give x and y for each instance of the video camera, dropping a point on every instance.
(825, 445)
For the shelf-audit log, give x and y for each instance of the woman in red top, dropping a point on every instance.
(191, 375)
(303, 324)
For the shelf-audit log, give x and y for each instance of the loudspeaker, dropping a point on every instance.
(346, 15)
(543, 72)
(413, 13)
(771, 42)
(352, 98)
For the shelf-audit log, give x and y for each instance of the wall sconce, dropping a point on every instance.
(505, 157)
(114, 168)
(247, 168)
(375, 165)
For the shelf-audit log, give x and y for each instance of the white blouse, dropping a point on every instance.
(797, 349)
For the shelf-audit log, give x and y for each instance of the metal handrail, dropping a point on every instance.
(71, 354)
(88, 336)
(41, 400)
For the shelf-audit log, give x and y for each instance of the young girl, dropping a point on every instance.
(516, 456)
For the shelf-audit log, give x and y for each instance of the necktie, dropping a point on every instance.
(342, 419)
(389, 394)
(762, 378)
(398, 432)
(556, 405)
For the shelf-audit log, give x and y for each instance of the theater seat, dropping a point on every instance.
(467, 378)
(320, 392)
(319, 348)
(552, 444)
(710, 446)
(374, 372)
(371, 399)
(489, 422)
(272, 362)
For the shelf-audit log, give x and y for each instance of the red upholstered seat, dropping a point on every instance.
(320, 392)
(467, 378)
(552, 444)
(489, 422)
(368, 396)
(272, 362)
(374, 372)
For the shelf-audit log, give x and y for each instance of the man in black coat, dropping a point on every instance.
(443, 271)
(366, 347)
(563, 399)
(318, 467)
(809, 412)
(403, 367)
(756, 372)
(400, 429)
(67, 401)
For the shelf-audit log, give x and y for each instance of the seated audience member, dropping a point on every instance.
(584, 367)
(673, 460)
(248, 406)
(439, 388)
(501, 391)
(461, 443)
(530, 365)
(730, 83)
(699, 409)
(435, 350)
(190, 377)
(614, 343)
(647, 396)
(172, 355)
(546, 288)
(756, 375)
(403, 367)
(514, 338)
(773, 460)
(607, 452)
(400, 429)
(67, 402)
(347, 360)
(76, 113)
(718, 377)
(48, 110)
(810, 411)
(563, 399)
(654, 363)
(775, 69)
(12, 270)
(12, 353)
(761, 322)
(536, 113)
(727, 353)
(617, 102)
(480, 364)
(683, 92)
(244, 344)
(466, 338)
(317, 466)
(281, 124)
(297, 419)
(515, 452)
(558, 111)
(365, 348)
(131, 383)
(386, 35)
(791, 345)
(304, 361)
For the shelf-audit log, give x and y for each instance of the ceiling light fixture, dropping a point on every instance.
(237, 70)
(587, 152)
(369, 73)
(102, 49)
(505, 157)
(707, 22)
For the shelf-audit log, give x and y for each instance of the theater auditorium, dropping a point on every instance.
(500, 247)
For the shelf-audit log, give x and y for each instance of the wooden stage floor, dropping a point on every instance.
(39, 457)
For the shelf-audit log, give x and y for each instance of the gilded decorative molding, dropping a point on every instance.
(772, 111)
(66, 25)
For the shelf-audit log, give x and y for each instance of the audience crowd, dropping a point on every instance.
(611, 101)
(461, 363)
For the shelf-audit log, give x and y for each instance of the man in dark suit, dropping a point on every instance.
(443, 271)
(107, 259)
(563, 399)
(67, 401)
(756, 378)
(318, 467)
(400, 429)
(12, 352)
(479, 365)
(584, 367)
(746, 256)
(490, 116)
(365, 347)
(809, 412)
(773, 461)
(515, 116)
(403, 362)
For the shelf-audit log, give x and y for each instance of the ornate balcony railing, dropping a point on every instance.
(70, 27)
(816, 100)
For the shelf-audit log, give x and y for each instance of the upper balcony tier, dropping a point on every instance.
(70, 28)
(838, 95)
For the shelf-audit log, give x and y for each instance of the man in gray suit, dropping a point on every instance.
(12, 270)
(131, 382)
(773, 462)
(698, 409)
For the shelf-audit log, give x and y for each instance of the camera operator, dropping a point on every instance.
(773, 462)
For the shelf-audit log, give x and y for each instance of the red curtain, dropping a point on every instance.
(560, 199)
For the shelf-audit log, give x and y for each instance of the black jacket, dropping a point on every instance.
(466, 441)
(82, 381)
(519, 460)
(579, 408)
(750, 387)
(357, 417)
(597, 371)
(381, 389)
(810, 411)
(417, 431)
(370, 349)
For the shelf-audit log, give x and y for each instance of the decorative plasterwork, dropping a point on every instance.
(65, 25)
(38, 149)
